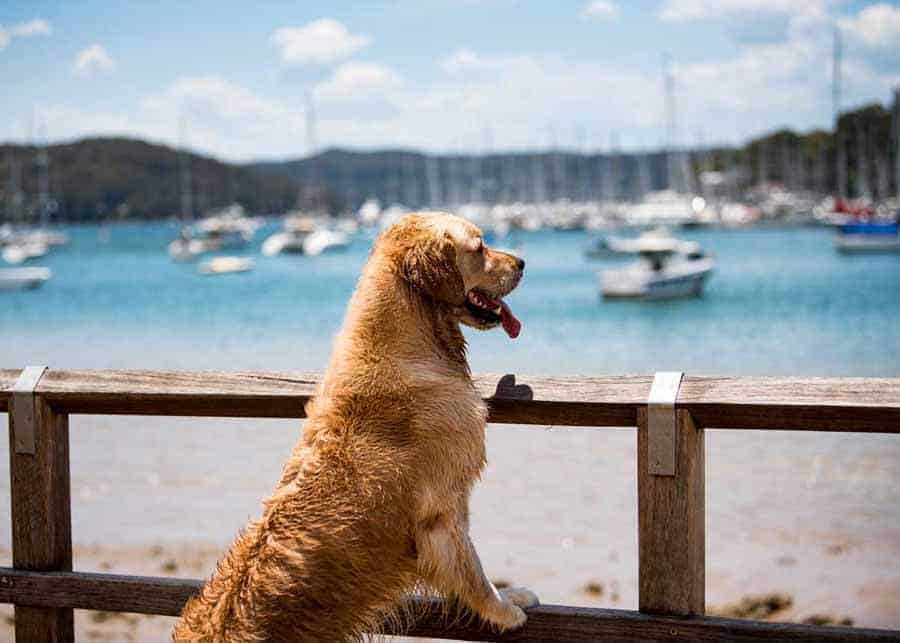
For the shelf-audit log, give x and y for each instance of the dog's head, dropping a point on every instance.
(445, 259)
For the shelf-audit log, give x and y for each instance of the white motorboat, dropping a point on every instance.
(227, 228)
(666, 207)
(291, 237)
(305, 235)
(325, 240)
(22, 251)
(226, 265)
(12, 279)
(667, 268)
(659, 237)
(184, 248)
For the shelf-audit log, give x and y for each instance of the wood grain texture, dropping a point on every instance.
(671, 525)
(166, 596)
(815, 404)
(41, 518)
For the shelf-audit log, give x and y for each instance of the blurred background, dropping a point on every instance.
(696, 185)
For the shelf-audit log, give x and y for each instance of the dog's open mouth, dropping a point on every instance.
(492, 311)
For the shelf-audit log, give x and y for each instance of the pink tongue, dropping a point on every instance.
(511, 325)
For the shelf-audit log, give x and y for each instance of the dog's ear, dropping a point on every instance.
(429, 264)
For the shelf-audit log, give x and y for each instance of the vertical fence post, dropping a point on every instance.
(671, 530)
(41, 511)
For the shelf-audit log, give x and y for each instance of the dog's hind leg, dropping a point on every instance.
(447, 561)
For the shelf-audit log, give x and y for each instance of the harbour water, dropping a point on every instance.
(816, 515)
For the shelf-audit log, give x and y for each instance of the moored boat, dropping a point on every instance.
(226, 265)
(867, 238)
(12, 279)
(668, 268)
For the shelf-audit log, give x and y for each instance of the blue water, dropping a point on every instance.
(781, 302)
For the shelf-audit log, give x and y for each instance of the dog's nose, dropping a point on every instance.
(521, 263)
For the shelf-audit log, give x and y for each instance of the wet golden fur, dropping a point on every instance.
(373, 501)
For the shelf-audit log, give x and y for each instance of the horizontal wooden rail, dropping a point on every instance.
(870, 405)
(167, 596)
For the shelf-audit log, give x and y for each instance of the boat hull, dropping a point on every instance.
(867, 243)
(639, 282)
(15, 279)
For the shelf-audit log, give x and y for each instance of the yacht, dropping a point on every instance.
(667, 268)
(290, 239)
(24, 249)
(226, 228)
(324, 240)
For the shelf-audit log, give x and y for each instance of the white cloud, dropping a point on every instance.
(36, 27)
(687, 10)
(93, 61)
(877, 26)
(223, 118)
(319, 42)
(461, 60)
(602, 9)
(214, 96)
(355, 81)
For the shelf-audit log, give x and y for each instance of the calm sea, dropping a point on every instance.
(781, 302)
(556, 507)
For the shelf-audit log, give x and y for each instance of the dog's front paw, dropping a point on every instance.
(505, 615)
(520, 597)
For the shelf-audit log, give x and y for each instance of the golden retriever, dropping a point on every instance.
(373, 501)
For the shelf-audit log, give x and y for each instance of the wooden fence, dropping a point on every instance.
(671, 524)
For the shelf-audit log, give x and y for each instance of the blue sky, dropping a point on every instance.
(441, 75)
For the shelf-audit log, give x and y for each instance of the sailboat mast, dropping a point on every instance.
(840, 170)
(43, 168)
(184, 171)
(669, 105)
(897, 141)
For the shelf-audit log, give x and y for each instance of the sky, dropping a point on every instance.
(238, 80)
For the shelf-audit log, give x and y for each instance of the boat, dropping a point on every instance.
(24, 249)
(226, 265)
(325, 240)
(12, 279)
(229, 227)
(867, 238)
(290, 239)
(667, 207)
(610, 246)
(224, 229)
(185, 247)
(667, 268)
(302, 234)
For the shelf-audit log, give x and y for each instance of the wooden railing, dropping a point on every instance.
(44, 589)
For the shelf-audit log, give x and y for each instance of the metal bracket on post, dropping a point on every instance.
(23, 407)
(662, 424)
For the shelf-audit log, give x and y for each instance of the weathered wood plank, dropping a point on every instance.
(860, 404)
(817, 404)
(41, 517)
(166, 596)
(671, 525)
(607, 401)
